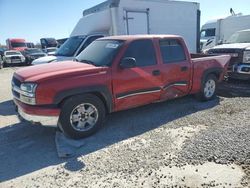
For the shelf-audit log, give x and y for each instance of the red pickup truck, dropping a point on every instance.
(113, 74)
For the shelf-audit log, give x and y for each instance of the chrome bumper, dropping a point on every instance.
(243, 69)
(49, 121)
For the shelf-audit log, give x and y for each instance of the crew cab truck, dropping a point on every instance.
(113, 74)
(238, 46)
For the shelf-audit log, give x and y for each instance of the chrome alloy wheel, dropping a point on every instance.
(84, 117)
(209, 88)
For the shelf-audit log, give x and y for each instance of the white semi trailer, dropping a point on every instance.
(129, 17)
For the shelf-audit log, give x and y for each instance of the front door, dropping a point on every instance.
(141, 84)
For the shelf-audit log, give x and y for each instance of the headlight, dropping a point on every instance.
(28, 87)
(246, 56)
(27, 93)
(23, 58)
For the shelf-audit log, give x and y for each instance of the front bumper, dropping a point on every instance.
(45, 117)
(243, 69)
(240, 71)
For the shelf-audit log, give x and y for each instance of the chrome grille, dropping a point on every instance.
(234, 60)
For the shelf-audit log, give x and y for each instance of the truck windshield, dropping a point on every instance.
(100, 52)
(239, 37)
(71, 45)
(208, 33)
(18, 44)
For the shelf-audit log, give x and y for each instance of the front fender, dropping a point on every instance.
(101, 90)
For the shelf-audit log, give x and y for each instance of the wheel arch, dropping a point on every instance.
(215, 71)
(101, 92)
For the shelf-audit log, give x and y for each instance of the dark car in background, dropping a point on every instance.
(48, 43)
(60, 42)
(1, 62)
(31, 54)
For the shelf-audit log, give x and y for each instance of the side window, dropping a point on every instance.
(143, 51)
(43, 42)
(88, 42)
(172, 51)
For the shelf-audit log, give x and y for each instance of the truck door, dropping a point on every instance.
(137, 22)
(175, 68)
(141, 84)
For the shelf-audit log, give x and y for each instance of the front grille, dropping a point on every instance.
(15, 57)
(234, 60)
(16, 94)
(16, 82)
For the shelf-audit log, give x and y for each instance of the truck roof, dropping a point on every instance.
(16, 39)
(133, 37)
(115, 3)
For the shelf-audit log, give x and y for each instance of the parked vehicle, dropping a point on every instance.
(16, 44)
(113, 74)
(60, 42)
(13, 57)
(31, 54)
(69, 50)
(218, 31)
(238, 46)
(48, 43)
(127, 17)
(50, 51)
(30, 45)
(1, 62)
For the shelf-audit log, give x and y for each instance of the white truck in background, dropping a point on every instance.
(218, 31)
(129, 17)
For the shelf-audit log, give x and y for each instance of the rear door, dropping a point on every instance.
(137, 22)
(139, 85)
(175, 68)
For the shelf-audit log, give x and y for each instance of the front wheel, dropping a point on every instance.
(209, 88)
(81, 116)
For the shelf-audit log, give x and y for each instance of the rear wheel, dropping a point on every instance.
(209, 88)
(81, 116)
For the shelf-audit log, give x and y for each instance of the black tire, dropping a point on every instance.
(203, 95)
(69, 108)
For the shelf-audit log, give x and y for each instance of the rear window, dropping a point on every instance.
(172, 51)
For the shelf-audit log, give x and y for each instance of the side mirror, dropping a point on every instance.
(128, 62)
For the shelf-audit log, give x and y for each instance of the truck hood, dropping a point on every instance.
(17, 55)
(43, 72)
(50, 58)
(233, 46)
(42, 60)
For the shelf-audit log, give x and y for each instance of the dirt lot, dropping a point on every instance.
(182, 143)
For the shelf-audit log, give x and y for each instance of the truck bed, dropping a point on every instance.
(202, 62)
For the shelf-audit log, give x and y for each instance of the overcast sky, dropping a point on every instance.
(34, 19)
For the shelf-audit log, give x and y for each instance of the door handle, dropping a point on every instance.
(156, 72)
(183, 69)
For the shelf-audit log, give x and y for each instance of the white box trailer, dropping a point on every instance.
(218, 31)
(127, 17)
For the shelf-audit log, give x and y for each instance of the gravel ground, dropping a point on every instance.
(182, 143)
